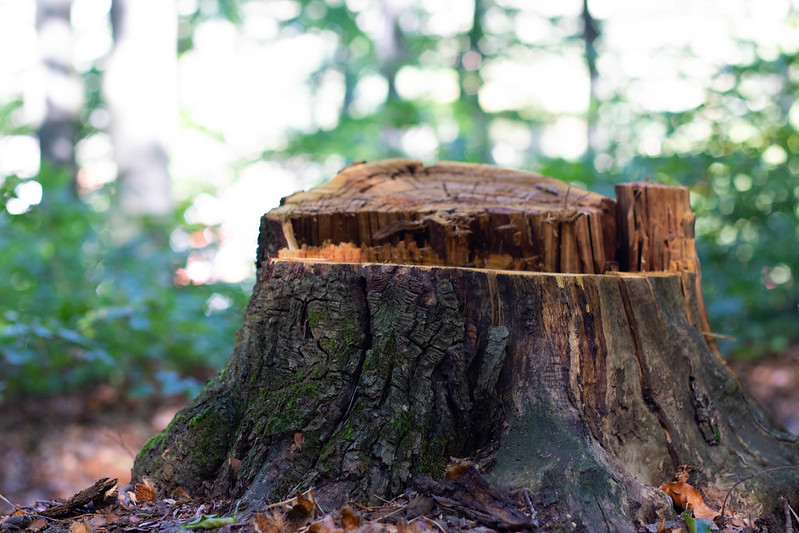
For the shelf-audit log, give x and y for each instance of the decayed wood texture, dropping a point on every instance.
(453, 214)
(355, 377)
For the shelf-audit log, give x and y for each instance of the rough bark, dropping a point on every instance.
(587, 389)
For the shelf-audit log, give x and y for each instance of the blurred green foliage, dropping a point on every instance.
(80, 309)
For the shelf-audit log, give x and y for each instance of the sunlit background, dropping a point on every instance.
(152, 132)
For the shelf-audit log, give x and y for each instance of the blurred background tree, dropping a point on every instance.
(140, 141)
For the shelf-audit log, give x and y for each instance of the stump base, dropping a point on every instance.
(589, 390)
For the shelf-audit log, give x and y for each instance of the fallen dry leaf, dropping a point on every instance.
(80, 527)
(98, 521)
(181, 494)
(37, 525)
(235, 466)
(299, 439)
(456, 469)
(350, 519)
(325, 525)
(302, 511)
(268, 523)
(404, 527)
(318, 527)
(145, 491)
(306, 502)
(687, 498)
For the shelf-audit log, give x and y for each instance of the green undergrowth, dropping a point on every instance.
(82, 307)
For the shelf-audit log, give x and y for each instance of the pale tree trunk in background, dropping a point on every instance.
(591, 33)
(141, 92)
(62, 86)
(390, 50)
(390, 46)
(470, 81)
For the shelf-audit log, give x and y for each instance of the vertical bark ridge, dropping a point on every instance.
(643, 375)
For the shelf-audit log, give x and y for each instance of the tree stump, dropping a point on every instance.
(404, 314)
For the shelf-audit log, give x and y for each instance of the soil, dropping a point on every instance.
(774, 381)
(52, 447)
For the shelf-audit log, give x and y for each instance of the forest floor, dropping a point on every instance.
(53, 447)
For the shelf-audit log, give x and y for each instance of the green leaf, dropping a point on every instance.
(696, 526)
(690, 522)
(209, 522)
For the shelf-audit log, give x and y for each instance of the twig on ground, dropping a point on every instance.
(792, 511)
(319, 507)
(431, 521)
(533, 512)
(287, 500)
(363, 507)
(395, 511)
(8, 502)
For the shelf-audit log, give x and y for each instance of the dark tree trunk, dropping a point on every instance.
(589, 390)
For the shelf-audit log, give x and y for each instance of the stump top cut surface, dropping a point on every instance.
(450, 214)
(456, 188)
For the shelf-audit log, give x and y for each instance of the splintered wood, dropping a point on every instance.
(402, 253)
(450, 214)
(656, 228)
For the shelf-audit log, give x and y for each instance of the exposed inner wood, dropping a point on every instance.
(656, 228)
(450, 214)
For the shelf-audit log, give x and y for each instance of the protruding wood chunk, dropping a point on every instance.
(656, 228)
(656, 234)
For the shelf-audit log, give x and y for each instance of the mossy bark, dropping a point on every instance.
(589, 390)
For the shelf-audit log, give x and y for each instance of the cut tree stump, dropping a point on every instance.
(403, 315)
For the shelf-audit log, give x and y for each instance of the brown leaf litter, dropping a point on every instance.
(464, 501)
